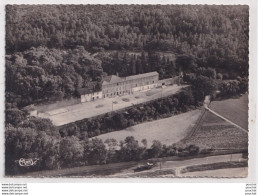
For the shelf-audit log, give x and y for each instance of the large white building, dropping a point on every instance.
(117, 86)
(114, 85)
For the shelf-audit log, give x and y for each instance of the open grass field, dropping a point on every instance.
(167, 131)
(218, 134)
(236, 110)
(80, 111)
(221, 173)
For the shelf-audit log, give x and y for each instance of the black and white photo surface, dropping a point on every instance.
(126, 91)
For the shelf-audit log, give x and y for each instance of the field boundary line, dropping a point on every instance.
(196, 125)
(222, 117)
(206, 104)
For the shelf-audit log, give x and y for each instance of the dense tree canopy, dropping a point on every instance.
(53, 50)
(186, 29)
(49, 45)
(42, 74)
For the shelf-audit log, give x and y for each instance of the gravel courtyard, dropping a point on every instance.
(80, 111)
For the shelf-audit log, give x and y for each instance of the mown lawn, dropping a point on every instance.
(168, 131)
(236, 110)
(218, 134)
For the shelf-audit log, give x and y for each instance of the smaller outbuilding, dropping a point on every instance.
(88, 95)
(170, 81)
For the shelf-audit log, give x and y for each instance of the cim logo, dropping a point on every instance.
(27, 162)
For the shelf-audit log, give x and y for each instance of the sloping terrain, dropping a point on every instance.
(218, 134)
(236, 110)
(167, 131)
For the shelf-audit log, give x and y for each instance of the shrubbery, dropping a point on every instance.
(114, 121)
(56, 153)
(233, 87)
(52, 57)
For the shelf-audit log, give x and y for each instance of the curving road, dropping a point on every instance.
(179, 165)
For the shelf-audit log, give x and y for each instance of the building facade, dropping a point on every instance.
(89, 95)
(118, 86)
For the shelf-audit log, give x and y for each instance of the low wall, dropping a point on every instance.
(58, 104)
(169, 81)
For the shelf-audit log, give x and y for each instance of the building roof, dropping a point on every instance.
(141, 75)
(83, 91)
(115, 79)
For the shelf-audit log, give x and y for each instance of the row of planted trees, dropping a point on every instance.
(57, 153)
(70, 145)
(162, 108)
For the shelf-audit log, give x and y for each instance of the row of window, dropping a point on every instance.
(134, 81)
(120, 88)
(117, 93)
(121, 92)
(135, 85)
(94, 94)
(137, 80)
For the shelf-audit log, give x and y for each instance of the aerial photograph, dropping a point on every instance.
(126, 91)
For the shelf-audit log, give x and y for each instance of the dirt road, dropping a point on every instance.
(90, 109)
(179, 165)
(221, 173)
(126, 169)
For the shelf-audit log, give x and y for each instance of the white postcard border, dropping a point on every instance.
(253, 152)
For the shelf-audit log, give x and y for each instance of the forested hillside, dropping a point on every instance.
(183, 29)
(52, 50)
(42, 74)
(45, 59)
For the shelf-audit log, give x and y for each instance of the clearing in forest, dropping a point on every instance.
(236, 110)
(214, 132)
(168, 131)
(81, 111)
